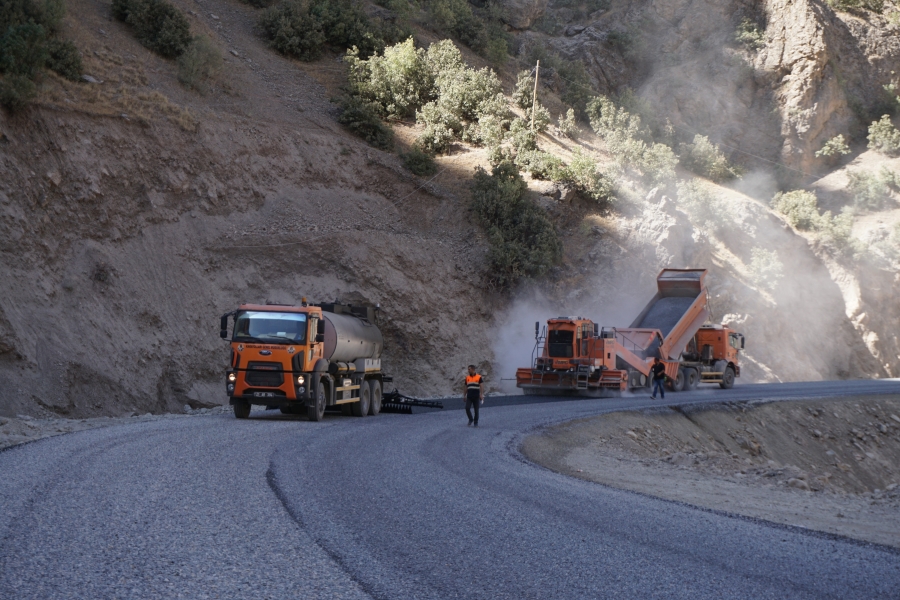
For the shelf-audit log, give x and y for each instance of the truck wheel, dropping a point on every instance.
(678, 384)
(727, 379)
(361, 408)
(241, 410)
(315, 409)
(375, 397)
(691, 379)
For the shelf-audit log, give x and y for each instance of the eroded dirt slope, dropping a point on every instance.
(826, 465)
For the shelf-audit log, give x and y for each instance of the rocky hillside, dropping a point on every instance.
(134, 210)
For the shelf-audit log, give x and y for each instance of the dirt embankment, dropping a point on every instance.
(828, 465)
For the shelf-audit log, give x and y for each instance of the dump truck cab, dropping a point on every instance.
(273, 351)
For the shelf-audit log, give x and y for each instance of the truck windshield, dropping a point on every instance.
(559, 343)
(269, 327)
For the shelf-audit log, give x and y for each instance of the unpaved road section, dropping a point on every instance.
(829, 465)
(396, 506)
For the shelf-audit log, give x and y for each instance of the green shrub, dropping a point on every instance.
(625, 140)
(46, 13)
(302, 28)
(450, 99)
(541, 118)
(834, 147)
(766, 269)
(657, 164)
(749, 35)
(497, 51)
(884, 137)
(573, 84)
(836, 232)
(360, 118)
(871, 191)
(541, 165)
(397, 82)
(523, 95)
(157, 25)
(200, 64)
(64, 59)
(524, 243)
(419, 162)
(704, 158)
(436, 138)
(705, 208)
(23, 50)
(457, 18)
(521, 135)
(16, 91)
(799, 208)
(872, 5)
(568, 126)
(582, 171)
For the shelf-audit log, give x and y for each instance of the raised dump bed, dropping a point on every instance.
(677, 310)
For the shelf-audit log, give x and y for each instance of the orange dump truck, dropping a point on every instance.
(304, 358)
(576, 355)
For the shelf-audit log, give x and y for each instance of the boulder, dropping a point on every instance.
(521, 14)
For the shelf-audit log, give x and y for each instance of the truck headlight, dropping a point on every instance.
(230, 387)
(232, 377)
(301, 380)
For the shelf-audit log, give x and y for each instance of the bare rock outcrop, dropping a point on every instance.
(521, 14)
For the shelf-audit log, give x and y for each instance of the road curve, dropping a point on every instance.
(390, 507)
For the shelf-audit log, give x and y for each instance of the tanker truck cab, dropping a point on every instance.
(301, 361)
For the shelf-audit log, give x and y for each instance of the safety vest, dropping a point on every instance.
(473, 383)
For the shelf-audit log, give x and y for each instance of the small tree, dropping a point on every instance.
(834, 147)
(884, 137)
(523, 95)
(200, 64)
(568, 126)
(704, 158)
(766, 269)
(799, 208)
(524, 243)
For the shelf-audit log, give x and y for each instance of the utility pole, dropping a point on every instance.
(537, 74)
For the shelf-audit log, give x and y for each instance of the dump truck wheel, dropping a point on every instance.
(374, 397)
(678, 383)
(315, 410)
(361, 408)
(691, 379)
(727, 379)
(241, 410)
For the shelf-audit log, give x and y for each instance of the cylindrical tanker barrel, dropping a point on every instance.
(348, 338)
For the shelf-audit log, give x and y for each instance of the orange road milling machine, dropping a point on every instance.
(574, 355)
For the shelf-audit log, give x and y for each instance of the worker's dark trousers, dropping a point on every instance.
(659, 384)
(470, 402)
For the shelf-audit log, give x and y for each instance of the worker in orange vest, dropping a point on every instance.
(473, 394)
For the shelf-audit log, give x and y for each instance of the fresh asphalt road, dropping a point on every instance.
(396, 506)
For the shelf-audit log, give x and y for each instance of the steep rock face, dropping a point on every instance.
(521, 14)
(818, 74)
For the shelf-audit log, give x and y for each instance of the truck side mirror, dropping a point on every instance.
(223, 327)
(742, 342)
(320, 337)
(537, 329)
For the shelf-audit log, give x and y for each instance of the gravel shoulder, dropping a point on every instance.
(827, 465)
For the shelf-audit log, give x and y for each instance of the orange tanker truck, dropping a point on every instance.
(574, 355)
(305, 358)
